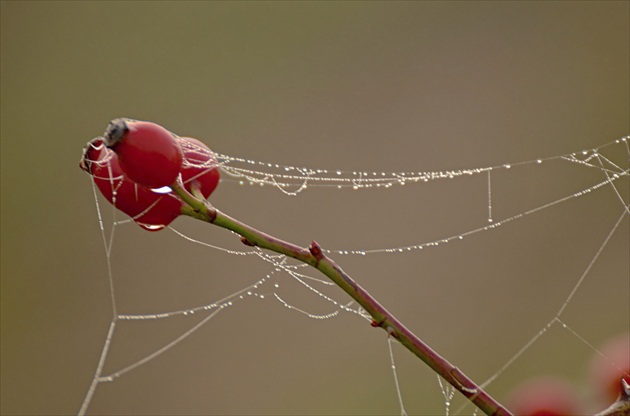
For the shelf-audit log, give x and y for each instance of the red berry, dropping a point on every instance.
(544, 397)
(148, 153)
(608, 370)
(150, 210)
(200, 167)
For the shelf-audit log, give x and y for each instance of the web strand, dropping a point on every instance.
(403, 412)
(293, 181)
(565, 304)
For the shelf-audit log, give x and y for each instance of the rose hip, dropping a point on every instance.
(148, 153)
(544, 396)
(200, 168)
(608, 368)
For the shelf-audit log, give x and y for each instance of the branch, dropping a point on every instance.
(201, 209)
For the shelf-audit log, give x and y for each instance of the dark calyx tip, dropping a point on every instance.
(115, 132)
(86, 157)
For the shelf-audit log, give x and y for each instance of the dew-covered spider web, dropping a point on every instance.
(509, 271)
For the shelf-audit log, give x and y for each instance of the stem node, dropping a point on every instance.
(316, 252)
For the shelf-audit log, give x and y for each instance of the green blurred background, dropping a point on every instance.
(369, 86)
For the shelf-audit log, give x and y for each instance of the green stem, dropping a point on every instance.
(201, 209)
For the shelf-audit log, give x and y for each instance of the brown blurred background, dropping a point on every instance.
(366, 86)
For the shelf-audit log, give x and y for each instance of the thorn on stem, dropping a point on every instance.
(377, 324)
(391, 332)
(316, 251)
(247, 242)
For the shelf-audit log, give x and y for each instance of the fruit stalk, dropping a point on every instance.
(201, 209)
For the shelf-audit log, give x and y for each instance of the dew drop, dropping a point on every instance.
(162, 190)
(151, 227)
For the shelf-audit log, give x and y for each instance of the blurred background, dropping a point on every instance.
(368, 86)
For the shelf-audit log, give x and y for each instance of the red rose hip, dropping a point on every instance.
(200, 167)
(611, 365)
(148, 154)
(544, 396)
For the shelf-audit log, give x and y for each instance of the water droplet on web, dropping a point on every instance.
(151, 227)
(162, 190)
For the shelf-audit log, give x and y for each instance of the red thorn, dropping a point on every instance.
(247, 242)
(316, 251)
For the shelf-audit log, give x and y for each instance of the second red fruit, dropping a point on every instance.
(150, 210)
(544, 396)
(611, 365)
(200, 168)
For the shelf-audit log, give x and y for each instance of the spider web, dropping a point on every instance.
(512, 198)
